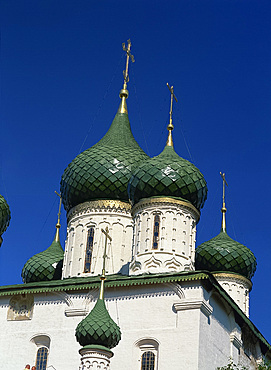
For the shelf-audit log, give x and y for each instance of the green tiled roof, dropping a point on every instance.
(46, 265)
(225, 254)
(168, 175)
(4, 215)
(98, 328)
(103, 171)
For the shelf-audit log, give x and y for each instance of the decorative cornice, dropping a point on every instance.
(234, 278)
(235, 340)
(101, 204)
(71, 312)
(150, 202)
(192, 304)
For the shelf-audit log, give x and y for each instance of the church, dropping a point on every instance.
(129, 289)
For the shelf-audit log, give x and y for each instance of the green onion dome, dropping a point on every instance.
(4, 215)
(103, 171)
(98, 328)
(222, 253)
(168, 175)
(44, 266)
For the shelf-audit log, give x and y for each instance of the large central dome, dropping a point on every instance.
(103, 171)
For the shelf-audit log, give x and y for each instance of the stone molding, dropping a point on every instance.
(99, 205)
(142, 204)
(192, 304)
(71, 312)
(235, 340)
(239, 279)
(95, 358)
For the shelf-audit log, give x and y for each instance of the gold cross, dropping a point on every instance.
(129, 55)
(170, 126)
(107, 236)
(58, 217)
(224, 183)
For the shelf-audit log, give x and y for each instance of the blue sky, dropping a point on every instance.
(61, 72)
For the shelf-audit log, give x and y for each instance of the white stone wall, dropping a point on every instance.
(100, 214)
(238, 287)
(177, 236)
(186, 327)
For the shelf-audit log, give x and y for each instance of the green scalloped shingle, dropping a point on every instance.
(46, 265)
(103, 171)
(98, 328)
(4, 215)
(222, 253)
(168, 175)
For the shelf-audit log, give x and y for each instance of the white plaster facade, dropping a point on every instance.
(238, 288)
(115, 215)
(176, 240)
(95, 359)
(185, 325)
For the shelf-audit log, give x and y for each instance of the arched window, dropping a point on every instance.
(41, 360)
(156, 227)
(147, 361)
(89, 249)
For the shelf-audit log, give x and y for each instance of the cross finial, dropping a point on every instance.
(58, 217)
(223, 209)
(107, 236)
(170, 126)
(124, 91)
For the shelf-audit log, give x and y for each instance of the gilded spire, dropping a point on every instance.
(107, 236)
(223, 209)
(170, 126)
(124, 92)
(58, 218)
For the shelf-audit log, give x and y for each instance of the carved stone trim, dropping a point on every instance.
(235, 341)
(192, 304)
(71, 312)
(224, 276)
(142, 204)
(102, 204)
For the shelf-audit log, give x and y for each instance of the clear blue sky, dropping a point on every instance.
(61, 72)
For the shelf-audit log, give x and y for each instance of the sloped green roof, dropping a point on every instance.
(103, 171)
(46, 265)
(4, 215)
(98, 328)
(222, 253)
(168, 175)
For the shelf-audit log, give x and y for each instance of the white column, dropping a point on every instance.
(115, 215)
(176, 243)
(95, 358)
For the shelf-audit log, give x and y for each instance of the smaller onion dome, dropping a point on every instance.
(222, 253)
(46, 265)
(4, 216)
(98, 328)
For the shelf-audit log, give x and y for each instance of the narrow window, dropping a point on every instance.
(89, 249)
(41, 360)
(156, 232)
(147, 361)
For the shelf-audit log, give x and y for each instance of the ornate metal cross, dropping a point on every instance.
(224, 183)
(129, 55)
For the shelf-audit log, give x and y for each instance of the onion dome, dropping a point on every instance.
(4, 216)
(103, 171)
(168, 175)
(222, 253)
(46, 265)
(98, 328)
